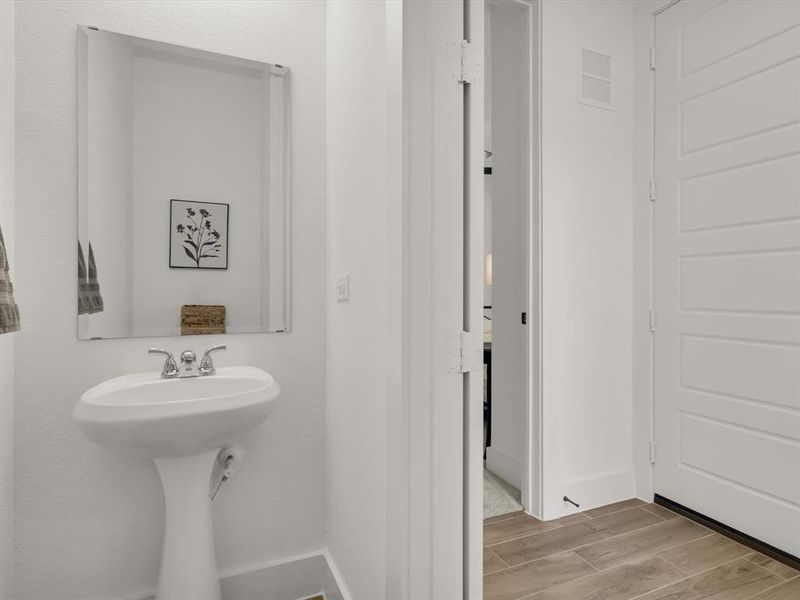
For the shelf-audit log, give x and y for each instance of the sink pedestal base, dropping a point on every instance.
(188, 564)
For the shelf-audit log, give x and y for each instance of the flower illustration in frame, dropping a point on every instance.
(198, 235)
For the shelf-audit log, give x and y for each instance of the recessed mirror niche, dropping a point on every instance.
(183, 190)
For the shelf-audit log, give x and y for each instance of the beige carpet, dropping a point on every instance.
(499, 497)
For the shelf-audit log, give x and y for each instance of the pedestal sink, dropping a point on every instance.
(181, 424)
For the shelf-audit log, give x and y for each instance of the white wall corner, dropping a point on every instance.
(643, 416)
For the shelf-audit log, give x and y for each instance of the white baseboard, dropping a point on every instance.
(590, 492)
(335, 587)
(504, 466)
(292, 578)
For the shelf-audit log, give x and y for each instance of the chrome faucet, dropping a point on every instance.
(170, 368)
(207, 365)
(188, 366)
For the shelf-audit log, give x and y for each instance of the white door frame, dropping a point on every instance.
(439, 518)
(532, 473)
(431, 564)
(643, 244)
(473, 302)
(531, 483)
(473, 246)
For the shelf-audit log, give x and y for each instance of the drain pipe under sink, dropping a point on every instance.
(224, 468)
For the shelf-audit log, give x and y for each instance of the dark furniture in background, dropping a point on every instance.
(487, 397)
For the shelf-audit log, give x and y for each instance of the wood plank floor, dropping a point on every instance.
(625, 551)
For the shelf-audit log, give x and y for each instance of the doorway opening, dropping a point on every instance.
(511, 259)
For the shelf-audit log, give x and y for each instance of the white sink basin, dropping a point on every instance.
(182, 424)
(144, 415)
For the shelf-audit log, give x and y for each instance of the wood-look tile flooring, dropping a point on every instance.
(625, 551)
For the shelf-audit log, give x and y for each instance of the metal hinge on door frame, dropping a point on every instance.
(465, 61)
(465, 352)
(652, 59)
(652, 190)
(652, 452)
(652, 321)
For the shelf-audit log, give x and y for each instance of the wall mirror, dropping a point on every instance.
(183, 190)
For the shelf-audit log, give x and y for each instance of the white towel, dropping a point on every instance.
(9, 312)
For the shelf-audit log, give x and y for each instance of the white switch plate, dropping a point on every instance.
(343, 288)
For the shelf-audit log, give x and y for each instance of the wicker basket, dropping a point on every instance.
(202, 319)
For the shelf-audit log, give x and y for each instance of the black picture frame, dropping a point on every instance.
(181, 248)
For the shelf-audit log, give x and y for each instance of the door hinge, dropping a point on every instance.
(652, 59)
(652, 452)
(652, 190)
(466, 62)
(652, 321)
(465, 352)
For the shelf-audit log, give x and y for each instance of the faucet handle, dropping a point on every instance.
(207, 364)
(170, 368)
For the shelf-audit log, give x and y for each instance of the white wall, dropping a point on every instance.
(509, 191)
(587, 164)
(7, 202)
(363, 334)
(89, 522)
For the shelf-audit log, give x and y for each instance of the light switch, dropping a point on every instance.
(343, 288)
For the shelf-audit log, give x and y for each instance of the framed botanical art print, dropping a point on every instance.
(198, 235)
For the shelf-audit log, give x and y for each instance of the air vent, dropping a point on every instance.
(594, 81)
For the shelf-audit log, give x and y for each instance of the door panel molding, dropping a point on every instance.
(726, 264)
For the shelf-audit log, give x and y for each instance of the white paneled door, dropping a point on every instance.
(727, 263)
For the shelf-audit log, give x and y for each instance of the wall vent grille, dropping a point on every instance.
(594, 81)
